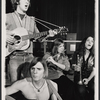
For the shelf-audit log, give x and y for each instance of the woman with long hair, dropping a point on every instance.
(83, 65)
(58, 63)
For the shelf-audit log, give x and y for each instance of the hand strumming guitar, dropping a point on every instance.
(10, 37)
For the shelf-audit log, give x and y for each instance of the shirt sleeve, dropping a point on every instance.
(7, 23)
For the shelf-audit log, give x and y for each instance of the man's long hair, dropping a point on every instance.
(14, 4)
(35, 60)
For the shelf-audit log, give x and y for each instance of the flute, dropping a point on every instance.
(57, 54)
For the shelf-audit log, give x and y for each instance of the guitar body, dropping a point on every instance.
(19, 42)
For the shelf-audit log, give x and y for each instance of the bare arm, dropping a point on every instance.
(64, 64)
(13, 88)
(86, 80)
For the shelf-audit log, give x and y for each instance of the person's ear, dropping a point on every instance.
(17, 3)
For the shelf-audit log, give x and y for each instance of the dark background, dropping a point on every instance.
(77, 15)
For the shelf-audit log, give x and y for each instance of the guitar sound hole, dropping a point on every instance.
(17, 37)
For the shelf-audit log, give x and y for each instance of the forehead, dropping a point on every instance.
(62, 44)
(90, 38)
(38, 65)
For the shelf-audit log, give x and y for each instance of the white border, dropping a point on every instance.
(96, 51)
(3, 50)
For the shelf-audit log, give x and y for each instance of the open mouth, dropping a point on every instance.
(89, 45)
(26, 5)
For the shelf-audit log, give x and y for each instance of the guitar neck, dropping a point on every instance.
(34, 35)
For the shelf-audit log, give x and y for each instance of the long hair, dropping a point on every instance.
(23, 70)
(81, 49)
(55, 46)
(43, 62)
(14, 4)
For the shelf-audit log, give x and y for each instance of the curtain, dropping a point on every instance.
(77, 15)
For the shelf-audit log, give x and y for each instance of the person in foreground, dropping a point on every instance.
(58, 63)
(36, 86)
(84, 70)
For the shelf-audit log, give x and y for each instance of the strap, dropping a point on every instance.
(53, 89)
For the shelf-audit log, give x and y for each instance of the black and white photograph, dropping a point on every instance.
(50, 50)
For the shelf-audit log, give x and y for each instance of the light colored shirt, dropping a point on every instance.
(55, 72)
(14, 21)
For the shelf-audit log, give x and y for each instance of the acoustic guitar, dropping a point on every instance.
(22, 39)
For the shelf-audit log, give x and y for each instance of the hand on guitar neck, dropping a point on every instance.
(52, 33)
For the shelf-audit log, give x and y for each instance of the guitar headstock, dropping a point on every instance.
(61, 30)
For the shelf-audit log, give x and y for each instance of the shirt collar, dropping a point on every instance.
(18, 14)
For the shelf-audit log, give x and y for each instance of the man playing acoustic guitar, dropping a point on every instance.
(19, 23)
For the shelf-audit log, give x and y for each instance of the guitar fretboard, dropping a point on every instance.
(34, 35)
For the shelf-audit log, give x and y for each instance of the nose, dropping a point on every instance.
(35, 71)
(90, 42)
(62, 48)
(28, 1)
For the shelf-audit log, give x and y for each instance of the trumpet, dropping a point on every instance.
(79, 63)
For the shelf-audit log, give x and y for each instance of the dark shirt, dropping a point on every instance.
(85, 69)
(21, 16)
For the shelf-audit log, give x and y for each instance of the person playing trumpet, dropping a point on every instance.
(84, 68)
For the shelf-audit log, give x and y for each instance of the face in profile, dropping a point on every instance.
(24, 5)
(61, 48)
(37, 71)
(89, 43)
